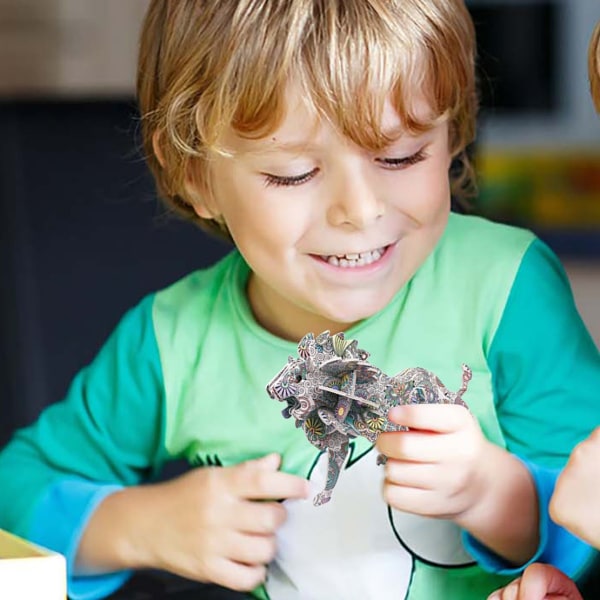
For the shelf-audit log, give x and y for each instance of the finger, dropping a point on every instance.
(414, 500)
(594, 438)
(414, 446)
(510, 592)
(261, 518)
(540, 580)
(251, 549)
(424, 476)
(238, 576)
(441, 418)
(269, 462)
(264, 482)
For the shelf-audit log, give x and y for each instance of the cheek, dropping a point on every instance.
(427, 195)
(260, 225)
(441, 196)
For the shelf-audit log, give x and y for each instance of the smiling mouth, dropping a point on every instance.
(354, 259)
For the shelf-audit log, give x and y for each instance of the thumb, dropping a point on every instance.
(541, 580)
(269, 462)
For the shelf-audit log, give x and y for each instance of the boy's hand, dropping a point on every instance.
(576, 498)
(539, 582)
(434, 468)
(218, 524)
(443, 467)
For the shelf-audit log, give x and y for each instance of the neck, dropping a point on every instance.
(284, 319)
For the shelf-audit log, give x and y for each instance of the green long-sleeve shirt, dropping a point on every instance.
(184, 375)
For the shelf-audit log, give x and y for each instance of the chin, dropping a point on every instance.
(350, 315)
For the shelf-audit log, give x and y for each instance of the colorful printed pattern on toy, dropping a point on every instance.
(335, 394)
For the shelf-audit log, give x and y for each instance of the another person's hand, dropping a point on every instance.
(433, 469)
(539, 582)
(576, 499)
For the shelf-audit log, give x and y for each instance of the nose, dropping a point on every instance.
(355, 201)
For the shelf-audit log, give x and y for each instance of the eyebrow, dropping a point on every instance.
(299, 146)
(290, 147)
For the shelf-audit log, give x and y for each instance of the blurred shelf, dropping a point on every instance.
(69, 48)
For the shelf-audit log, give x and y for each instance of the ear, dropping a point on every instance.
(157, 149)
(199, 194)
(200, 203)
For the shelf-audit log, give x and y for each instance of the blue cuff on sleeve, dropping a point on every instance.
(557, 546)
(562, 549)
(58, 522)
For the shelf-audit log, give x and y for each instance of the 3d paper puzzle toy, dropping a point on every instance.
(335, 394)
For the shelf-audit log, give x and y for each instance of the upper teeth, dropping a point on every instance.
(355, 259)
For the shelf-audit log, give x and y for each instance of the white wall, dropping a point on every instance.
(585, 280)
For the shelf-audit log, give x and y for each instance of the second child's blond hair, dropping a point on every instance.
(594, 66)
(209, 65)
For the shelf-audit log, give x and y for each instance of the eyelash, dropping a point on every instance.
(407, 161)
(392, 164)
(288, 181)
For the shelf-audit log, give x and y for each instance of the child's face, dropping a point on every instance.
(302, 203)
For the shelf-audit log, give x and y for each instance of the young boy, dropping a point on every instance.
(575, 500)
(318, 136)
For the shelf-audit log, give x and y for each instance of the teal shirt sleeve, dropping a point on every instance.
(546, 379)
(107, 433)
(545, 365)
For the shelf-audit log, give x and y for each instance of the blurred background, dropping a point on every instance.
(83, 238)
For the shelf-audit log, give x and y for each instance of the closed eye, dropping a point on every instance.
(397, 164)
(289, 180)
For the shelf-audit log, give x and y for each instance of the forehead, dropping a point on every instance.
(303, 125)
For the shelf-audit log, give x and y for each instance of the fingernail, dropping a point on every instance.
(270, 461)
(395, 413)
(307, 489)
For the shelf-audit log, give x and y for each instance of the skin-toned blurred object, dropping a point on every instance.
(594, 67)
(537, 583)
(575, 501)
(68, 48)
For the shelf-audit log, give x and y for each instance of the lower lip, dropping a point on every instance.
(373, 267)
